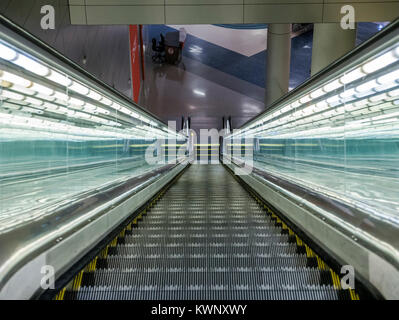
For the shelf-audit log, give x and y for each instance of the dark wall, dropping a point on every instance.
(105, 49)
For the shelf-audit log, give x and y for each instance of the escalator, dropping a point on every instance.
(206, 238)
(98, 200)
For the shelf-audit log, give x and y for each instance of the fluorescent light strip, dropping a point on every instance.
(333, 101)
(77, 87)
(31, 65)
(34, 101)
(380, 62)
(106, 101)
(7, 53)
(61, 96)
(389, 78)
(59, 78)
(11, 95)
(94, 95)
(333, 113)
(352, 76)
(42, 89)
(12, 78)
(332, 86)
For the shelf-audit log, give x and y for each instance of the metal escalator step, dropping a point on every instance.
(168, 251)
(184, 217)
(260, 249)
(211, 262)
(205, 223)
(209, 229)
(157, 293)
(212, 231)
(290, 278)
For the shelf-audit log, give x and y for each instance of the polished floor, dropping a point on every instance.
(242, 52)
(222, 73)
(171, 92)
(243, 41)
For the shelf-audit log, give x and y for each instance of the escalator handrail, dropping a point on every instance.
(69, 219)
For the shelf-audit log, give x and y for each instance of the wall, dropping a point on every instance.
(226, 11)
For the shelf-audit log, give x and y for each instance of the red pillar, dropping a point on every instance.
(135, 61)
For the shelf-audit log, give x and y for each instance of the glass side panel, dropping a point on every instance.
(62, 138)
(341, 137)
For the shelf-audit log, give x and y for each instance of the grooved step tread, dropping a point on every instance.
(206, 239)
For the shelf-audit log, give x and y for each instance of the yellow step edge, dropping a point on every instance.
(354, 295)
(114, 242)
(298, 241)
(320, 263)
(60, 295)
(77, 281)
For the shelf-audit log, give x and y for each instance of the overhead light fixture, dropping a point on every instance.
(7, 53)
(332, 86)
(366, 86)
(106, 101)
(199, 93)
(11, 95)
(31, 65)
(61, 96)
(352, 76)
(385, 87)
(305, 99)
(42, 89)
(333, 99)
(317, 93)
(10, 77)
(25, 91)
(76, 102)
(389, 78)
(379, 97)
(94, 95)
(59, 78)
(296, 104)
(77, 87)
(381, 62)
(394, 93)
(348, 93)
(45, 97)
(34, 101)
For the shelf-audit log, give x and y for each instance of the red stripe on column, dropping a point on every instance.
(135, 61)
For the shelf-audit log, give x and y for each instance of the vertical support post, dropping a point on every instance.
(142, 51)
(134, 61)
(278, 61)
(330, 42)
